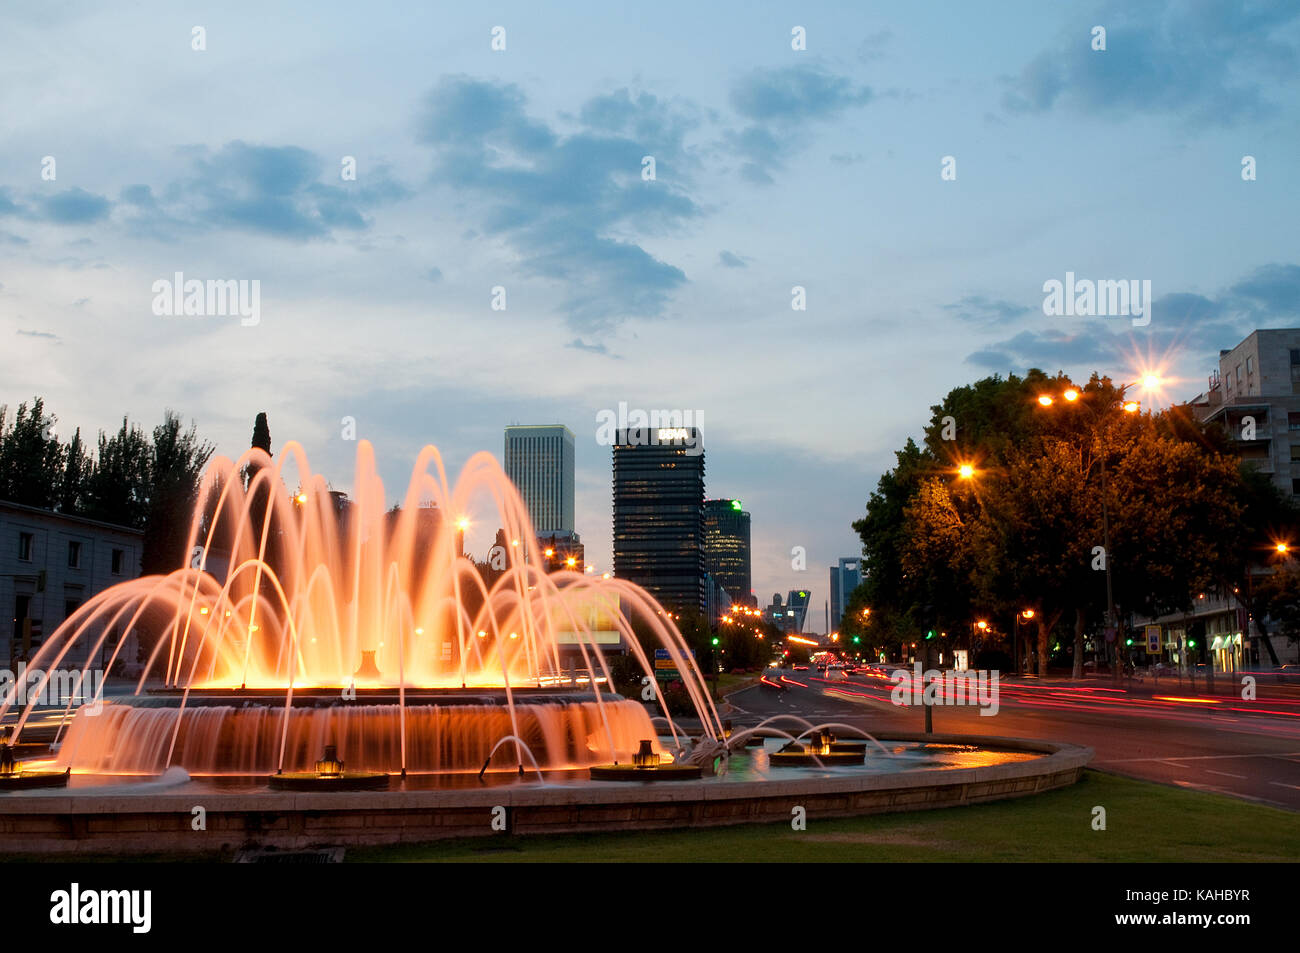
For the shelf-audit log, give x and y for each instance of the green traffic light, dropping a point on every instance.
(1128, 641)
(1191, 643)
(715, 641)
(929, 635)
(856, 640)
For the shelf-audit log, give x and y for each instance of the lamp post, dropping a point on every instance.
(1071, 395)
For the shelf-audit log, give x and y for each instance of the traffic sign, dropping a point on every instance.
(1153, 640)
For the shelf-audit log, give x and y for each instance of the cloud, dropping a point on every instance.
(1180, 321)
(795, 94)
(1272, 289)
(579, 344)
(281, 191)
(433, 274)
(39, 334)
(979, 309)
(778, 102)
(873, 47)
(568, 204)
(73, 206)
(1208, 62)
(731, 260)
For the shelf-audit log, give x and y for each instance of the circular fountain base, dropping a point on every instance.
(661, 772)
(97, 819)
(347, 781)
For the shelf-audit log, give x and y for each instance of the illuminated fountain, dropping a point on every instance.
(306, 622)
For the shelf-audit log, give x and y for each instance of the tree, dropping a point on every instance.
(31, 457)
(77, 469)
(1026, 531)
(177, 459)
(118, 489)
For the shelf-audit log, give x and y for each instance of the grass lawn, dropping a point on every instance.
(730, 683)
(1144, 822)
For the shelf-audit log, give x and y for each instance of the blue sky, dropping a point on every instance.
(522, 169)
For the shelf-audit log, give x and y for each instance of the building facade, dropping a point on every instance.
(1255, 396)
(845, 577)
(659, 514)
(539, 461)
(50, 564)
(726, 548)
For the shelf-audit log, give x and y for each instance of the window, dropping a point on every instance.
(1238, 375)
(116, 567)
(25, 547)
(1293, 422)
(1295, 453)
(1295, 355)
(74, 554)
(70, 606)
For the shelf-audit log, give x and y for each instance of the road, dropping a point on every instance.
(1246, 749)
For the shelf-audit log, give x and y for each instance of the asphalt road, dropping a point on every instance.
(1247, 749)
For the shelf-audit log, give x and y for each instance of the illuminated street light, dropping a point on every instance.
(1131, 406)
(1045, 400)
(1283, 548)
(302, 499)
(1028, 613)
(966, 471)
(1151, 382)
(1071, 395)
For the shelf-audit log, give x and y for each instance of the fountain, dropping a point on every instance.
(305, 620)
(315, 644)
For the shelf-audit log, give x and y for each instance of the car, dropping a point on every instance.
(801, 668)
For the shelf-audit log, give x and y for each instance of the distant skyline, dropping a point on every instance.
(524, 170)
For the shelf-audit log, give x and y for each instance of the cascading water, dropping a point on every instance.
(306, 619)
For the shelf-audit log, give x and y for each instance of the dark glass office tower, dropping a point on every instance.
(726, 548)
(659, 514)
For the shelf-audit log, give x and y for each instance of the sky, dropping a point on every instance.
(919, 170)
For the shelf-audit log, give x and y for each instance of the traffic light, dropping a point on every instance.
(715, 640)
(856, 640)
(1128, 641)
(929, 635)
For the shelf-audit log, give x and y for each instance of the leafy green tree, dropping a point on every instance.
(77, 468)
(177, 459)
(118, 489)
(31, 457)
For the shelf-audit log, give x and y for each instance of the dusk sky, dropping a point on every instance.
(522, 169)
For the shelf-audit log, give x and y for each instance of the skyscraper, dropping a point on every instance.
(659, 514)
(726, 548)
(539, 461)
(845, 577)
(797, 606)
